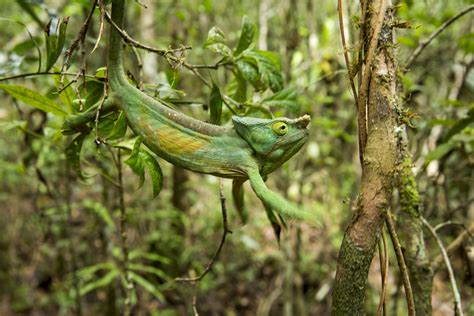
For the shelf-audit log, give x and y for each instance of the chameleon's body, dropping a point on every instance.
(252, 148)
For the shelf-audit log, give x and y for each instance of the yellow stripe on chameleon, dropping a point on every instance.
(172, 140)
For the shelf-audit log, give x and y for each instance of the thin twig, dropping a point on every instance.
(452, 279)
(97, 116)
(453, 246)
(433, 35)
(79, 39)
(72, 251)
(101, 27)
(44, 73)
(124, 238)
(384, 264)
(129, 40)
(346, 54)
(364, 85)
(140, 68)
(197, 280)
(401, 264)
(221, 245)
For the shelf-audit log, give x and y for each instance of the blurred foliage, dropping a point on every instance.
(274, 58)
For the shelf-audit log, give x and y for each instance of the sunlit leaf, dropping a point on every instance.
(285, 98)
(216, 42)
(247, 34)
(269, 68)
(33, 99)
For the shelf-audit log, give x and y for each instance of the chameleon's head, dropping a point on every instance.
(275, 140)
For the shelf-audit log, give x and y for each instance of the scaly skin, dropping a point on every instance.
(252, 148)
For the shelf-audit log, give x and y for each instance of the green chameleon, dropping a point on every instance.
(250, 149)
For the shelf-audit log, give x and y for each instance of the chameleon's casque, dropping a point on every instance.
(249, 149)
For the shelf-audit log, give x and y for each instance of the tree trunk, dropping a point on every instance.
(378, 145)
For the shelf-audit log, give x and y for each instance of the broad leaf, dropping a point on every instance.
(285, 98)
(216, 42)
(247, 34)
(67, 95)
(55, 34)
(250, 73)
(33, 99)
(141, 158)
(135, 163)
(269, 68)
(120, 128)
(215, 104)
(154, 170)
(73, 154)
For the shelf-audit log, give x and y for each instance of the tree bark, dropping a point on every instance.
(377, 120)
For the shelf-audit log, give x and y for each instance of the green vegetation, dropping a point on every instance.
(94, 223)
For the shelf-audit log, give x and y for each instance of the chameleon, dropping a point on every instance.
(249, 149)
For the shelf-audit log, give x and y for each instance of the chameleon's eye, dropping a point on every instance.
(280, 128)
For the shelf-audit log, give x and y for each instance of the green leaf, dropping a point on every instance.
(87, 273)
(139, 158)
(135, 254)
(216, 42)
(135, 163)
(247, 34)
(55, 34)
(95, 91)
(154, 170)
(250, 73)
(269, 68)
(120, 127)
(67, 95)
(9, 125)
(101, 211)
(440, 152)
(147, 285)
(33, 99)
(215, 104)
(149, 269)
(459, 126)
(237, 88)
(73, 154)
(285, 98)
(103, 281)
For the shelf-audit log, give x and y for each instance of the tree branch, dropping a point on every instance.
(433, 35)
(346, 55)
(452, 279)
(453, 246)
(401, 264)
